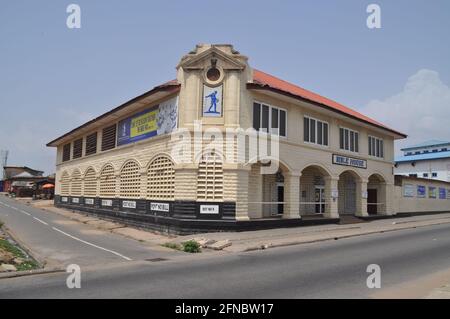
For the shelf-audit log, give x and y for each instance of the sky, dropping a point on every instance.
(53, 78)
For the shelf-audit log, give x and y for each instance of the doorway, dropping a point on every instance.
(280, 198)
(319, 198)
(372, 200)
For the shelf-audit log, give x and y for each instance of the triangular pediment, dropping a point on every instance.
(197, 61)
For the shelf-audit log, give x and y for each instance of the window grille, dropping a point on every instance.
(65, 184)
(130, 180)
(210, 178)
(161, 179)
(78, 148)
(90, 183)
(91, 144)
(109, 138)
(107, 182)
(75, 186)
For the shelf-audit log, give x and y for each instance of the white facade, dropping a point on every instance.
(426, 160)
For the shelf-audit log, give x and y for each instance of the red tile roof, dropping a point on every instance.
(265, 80)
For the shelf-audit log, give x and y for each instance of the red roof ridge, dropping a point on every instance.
(265, 79)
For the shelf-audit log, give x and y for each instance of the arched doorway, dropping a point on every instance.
(348, 193)
(267, 193)
(376, 195)
(313, 195)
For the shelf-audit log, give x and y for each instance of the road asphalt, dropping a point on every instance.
(61, 241)
(331, 269)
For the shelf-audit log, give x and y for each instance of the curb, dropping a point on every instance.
(24, 273)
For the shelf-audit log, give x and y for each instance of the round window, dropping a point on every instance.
(213, 74)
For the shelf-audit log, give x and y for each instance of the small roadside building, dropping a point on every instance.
(430, 159)
(325, 160)
(20, 180)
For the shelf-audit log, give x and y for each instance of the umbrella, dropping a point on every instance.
(48, 186)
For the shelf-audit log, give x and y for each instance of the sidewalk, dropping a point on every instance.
(263, 239)
(260, 239)
(440, 293)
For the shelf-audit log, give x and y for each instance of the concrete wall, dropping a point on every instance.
(416, 204)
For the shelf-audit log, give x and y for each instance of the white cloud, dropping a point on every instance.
(421, 110)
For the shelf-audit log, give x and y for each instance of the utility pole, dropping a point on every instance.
(3, 161)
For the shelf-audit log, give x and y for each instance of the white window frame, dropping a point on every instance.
(270, 118)
(315, 130)
(381, 151)
(349, 130)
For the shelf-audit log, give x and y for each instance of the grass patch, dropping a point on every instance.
(190, 246)
(28, 263)
(172, 246)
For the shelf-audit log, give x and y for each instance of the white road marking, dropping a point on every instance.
(40, 220)
(26, 213)
(93, 245)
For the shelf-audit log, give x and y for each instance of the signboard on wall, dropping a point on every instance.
(432, 192)
(442, 193)
(349, 161)
(212, 101)
(421, 191)
(157, 120)
(408, 190)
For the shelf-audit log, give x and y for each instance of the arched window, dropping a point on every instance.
(210, 178)
(130, 180)
(90, 183)
(65, 184)
(161, 179)
(75, 186)
(107, 182)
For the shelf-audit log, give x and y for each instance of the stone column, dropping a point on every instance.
(389, 208)
(361, 201)
(236, 183)
(292, 194)
(331, 207)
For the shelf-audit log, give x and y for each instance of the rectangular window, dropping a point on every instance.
(78, 148)
(433, 174)
(315, 131)
(319, 133)
(91, 144)
(376, 147)
(109, 138)
(256, 116)
(265, 119)
(268, 118)
(275, 123)
(349, 140)
(425, 174)
(66, 153)
(306, 129)
(282, 123)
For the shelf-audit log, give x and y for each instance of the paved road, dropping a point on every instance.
(334, 269)
(62, 241)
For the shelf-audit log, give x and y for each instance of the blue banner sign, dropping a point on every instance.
(442, 193)
(421, 191)
(157, 120)
(349, 161)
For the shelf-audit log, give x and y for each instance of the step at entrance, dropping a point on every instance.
(349, 219)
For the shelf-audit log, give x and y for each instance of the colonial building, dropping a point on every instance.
(430, 159)
(330, 160)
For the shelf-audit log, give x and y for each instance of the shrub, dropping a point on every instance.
(191, 246)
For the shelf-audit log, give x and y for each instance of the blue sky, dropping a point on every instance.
(53, 78)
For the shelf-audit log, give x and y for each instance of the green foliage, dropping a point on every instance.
(191, 246)
(172, 246)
